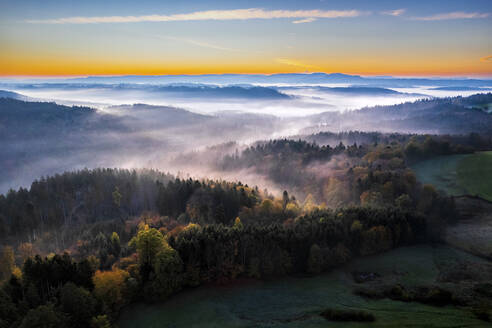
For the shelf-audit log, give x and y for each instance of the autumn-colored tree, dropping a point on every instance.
(109, 289)
(292, 209)
(309, 203)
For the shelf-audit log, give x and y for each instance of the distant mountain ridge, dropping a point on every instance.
(176, 90)
(354, 90)
(307, 78)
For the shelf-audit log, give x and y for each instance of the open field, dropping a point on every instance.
(459, 174)
(297, 302)
(475, 174)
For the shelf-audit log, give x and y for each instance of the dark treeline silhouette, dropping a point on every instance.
(416, 146)
(76, 198)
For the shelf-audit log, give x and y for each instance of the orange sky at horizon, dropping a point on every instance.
(59, 67)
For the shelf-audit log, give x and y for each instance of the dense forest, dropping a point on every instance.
(375, 170)
(79, 246)
(60, 290)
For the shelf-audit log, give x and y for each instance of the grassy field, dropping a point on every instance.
(459, 174)
(298, 302)
(475, 174)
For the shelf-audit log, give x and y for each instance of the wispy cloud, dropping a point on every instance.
(305, 20)
(486, 59)
(453, 15)
(197, 43)
(294, 62)
(235, 14)
(396, 12)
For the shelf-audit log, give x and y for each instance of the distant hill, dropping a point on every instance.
(354, 90)
(223, 92)
(361, 90)
(38, 118)
(305, 78)
(161, 116)
(173, 90)
(41, 138)
(458, 115)
(13, 95)
(461, 88)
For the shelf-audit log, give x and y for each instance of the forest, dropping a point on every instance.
(80, 246)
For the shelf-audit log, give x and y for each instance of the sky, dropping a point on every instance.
(399, 38)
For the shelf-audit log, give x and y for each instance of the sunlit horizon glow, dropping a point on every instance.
(397, 38)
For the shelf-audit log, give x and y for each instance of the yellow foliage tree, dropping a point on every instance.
(109, 288)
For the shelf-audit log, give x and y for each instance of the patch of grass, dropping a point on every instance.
(370, 293)
(441, 172)
(434, 295)
(347, 315)
(475, 174)
(482, 313)
(457, 175)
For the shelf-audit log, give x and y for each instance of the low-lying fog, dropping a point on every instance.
(282, 100)
(122, 135)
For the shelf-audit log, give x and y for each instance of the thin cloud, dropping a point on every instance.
(294, 62)
(236, 14)
(486, 59)
(305, 20)
(453, 15)
(396, 12)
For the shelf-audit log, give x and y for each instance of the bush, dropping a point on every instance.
(399, 293)
(434, 296)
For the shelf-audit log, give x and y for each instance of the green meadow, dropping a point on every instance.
(475, 174)
(459, 174)
(298, 302)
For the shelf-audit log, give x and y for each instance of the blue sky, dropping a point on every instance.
(365, 37)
